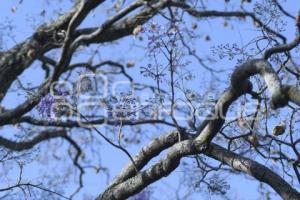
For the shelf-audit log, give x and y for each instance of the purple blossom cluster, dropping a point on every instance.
(122, 107)
(53, 104)
(45, 106)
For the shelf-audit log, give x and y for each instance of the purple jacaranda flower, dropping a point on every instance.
(53, 105)
(45, 106)
(123, 106)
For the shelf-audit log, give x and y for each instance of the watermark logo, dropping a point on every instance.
(92, 100)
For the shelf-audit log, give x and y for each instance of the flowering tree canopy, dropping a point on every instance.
(190, 94)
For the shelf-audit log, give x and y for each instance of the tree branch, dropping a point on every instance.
(21, 146)
(254, 169)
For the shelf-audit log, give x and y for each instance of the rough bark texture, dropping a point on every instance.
(254, 169)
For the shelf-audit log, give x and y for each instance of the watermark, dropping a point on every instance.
(92, 100)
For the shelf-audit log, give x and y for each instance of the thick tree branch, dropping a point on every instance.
(167, 164)
(282, 48)
(113, 31)
(16, 60)
(161, 169)
(130, 180)
(20, 57)
(154, 148)
(239, 79)
(241, 85)
(131, 183)
(254, 169)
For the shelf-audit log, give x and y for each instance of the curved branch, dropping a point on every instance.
(259, 66)
(282, 48)
(76, 163)
(239, 85)
(285, 47)
(21, 146)
(283, 10)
